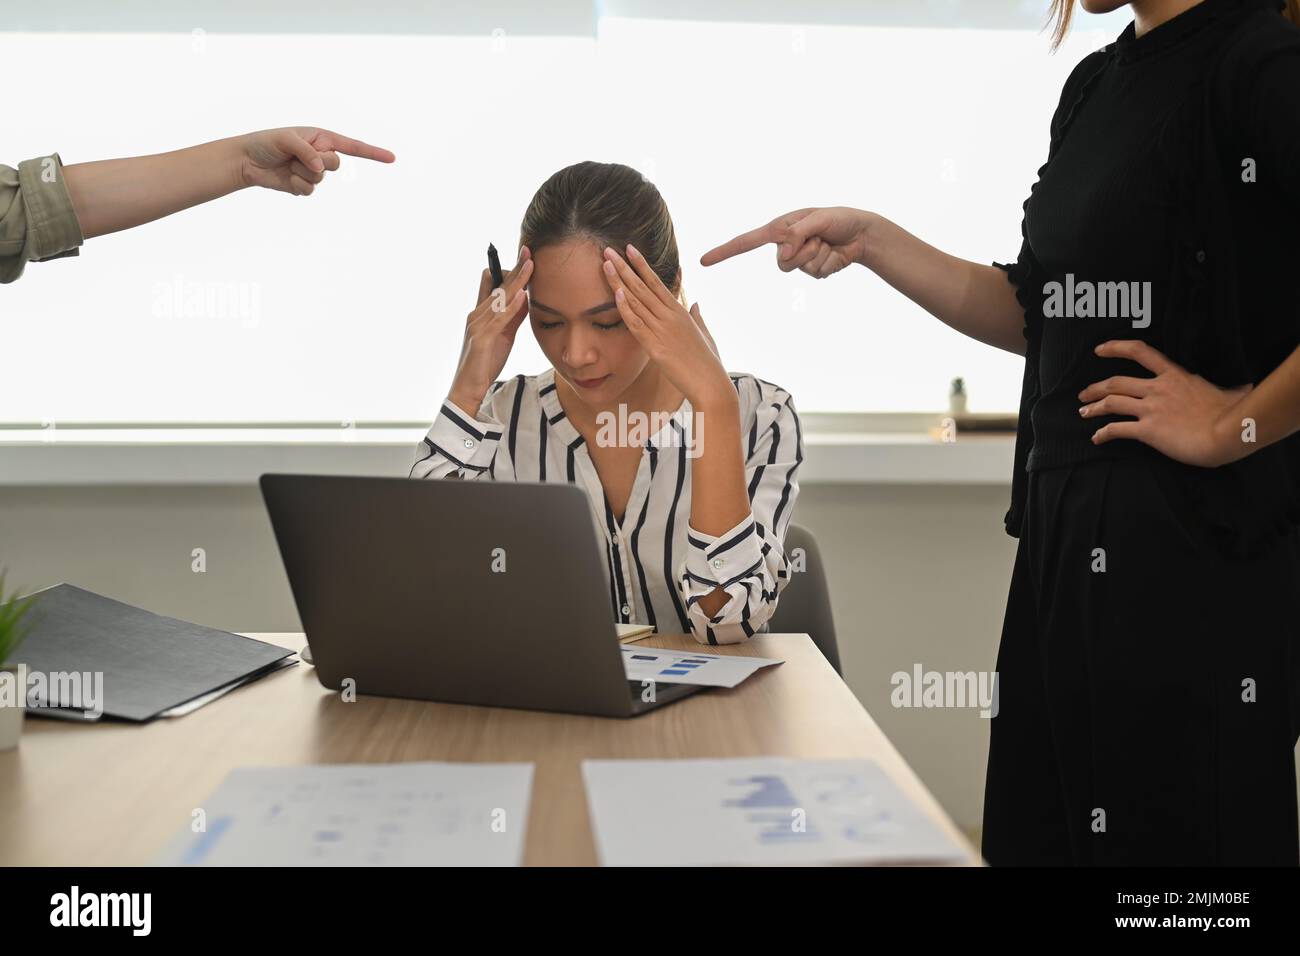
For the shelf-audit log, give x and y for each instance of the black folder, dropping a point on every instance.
(150, 663)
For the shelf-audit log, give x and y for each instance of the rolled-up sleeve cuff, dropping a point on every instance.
(462, 439)
(721, 560)
(53, 229)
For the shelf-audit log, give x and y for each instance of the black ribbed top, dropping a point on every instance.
(1100, 223)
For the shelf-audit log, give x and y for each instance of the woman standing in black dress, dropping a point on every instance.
(1149, 669)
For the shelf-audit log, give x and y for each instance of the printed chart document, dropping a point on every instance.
(678, 667)
(405, 814)
(755, 810)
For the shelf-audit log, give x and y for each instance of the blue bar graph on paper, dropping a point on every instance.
(204, 844)
(769, 791)
(780, 829)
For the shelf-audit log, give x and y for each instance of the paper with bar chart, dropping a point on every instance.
(677, 667)
(760, 810)
(405, 814)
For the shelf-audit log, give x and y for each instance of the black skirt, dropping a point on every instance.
(1148, 687)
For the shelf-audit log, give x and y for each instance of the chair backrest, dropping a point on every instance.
(805, 603)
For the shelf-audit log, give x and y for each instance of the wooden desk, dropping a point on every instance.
(115, 793)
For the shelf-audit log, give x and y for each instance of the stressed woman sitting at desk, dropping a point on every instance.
(691, 471)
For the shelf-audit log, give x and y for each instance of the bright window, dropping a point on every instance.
(349, 305)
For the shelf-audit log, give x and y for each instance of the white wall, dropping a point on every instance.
(350, 305)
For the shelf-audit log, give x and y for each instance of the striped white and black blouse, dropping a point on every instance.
(659, 566)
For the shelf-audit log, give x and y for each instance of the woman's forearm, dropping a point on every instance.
(116, 194)
(976, 300)
(719, 498)
(1266, 414)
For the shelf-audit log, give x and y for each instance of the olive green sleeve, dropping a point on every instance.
(37, 221)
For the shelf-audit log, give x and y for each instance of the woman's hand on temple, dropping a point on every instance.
(296, 158)
(490, 333)
(817, 241)
(1177, 413)
(676, 339)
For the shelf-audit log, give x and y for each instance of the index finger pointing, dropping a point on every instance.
(746, 242)
(327, 139)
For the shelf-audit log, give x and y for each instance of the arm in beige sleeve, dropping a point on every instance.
(37, 219)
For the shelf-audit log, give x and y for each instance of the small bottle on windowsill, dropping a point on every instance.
(957, 398)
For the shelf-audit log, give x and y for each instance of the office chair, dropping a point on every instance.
(805, 603)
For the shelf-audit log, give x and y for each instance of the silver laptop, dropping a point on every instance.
(471, 592)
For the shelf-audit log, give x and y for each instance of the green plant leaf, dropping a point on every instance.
(12, 628)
